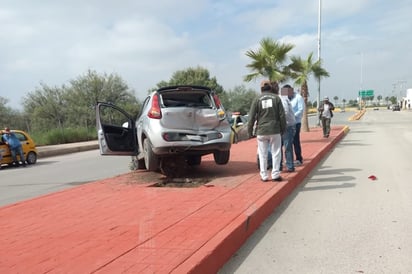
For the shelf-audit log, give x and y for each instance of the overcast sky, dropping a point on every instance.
(364, 43)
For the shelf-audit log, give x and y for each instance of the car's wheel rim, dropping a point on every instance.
(31, 158)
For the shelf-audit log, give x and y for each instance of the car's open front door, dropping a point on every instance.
(116, 131)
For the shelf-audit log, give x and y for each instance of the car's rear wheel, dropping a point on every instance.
(150, 159)
(31, 158)
(194, 160)
(221, 157)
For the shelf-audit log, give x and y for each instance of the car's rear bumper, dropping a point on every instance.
(191, 149)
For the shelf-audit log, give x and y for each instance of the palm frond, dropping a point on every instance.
(268, 60)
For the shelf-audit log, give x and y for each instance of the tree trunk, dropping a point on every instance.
(304, 92)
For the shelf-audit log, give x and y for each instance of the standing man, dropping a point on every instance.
(289, 134)
(14, 145)
(268, 113)
(298, 106)
(326, 115)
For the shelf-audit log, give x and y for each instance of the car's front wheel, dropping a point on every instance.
(221, 157)
(31, 158)
(150, 159)
(136, 163)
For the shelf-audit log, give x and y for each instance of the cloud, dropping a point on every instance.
(145, 42)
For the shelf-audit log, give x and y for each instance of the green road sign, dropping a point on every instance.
(366, 93)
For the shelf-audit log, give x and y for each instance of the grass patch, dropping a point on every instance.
(64, 136)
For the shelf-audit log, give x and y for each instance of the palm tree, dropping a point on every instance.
(268, 60)
(379, 99)
(300, 70)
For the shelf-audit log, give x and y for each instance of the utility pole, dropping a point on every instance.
(361, 82)
(319, 58)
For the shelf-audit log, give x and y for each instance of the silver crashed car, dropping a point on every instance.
(176, 124)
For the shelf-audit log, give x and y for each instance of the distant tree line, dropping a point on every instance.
(52, 108)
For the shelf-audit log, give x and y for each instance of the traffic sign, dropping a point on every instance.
(366, 93)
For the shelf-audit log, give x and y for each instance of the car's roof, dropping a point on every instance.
(13, 130)
(16, 130)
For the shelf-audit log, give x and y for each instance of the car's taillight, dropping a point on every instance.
(221, 111)
(217, 101)
(155, 112)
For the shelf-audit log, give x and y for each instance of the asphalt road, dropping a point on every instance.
(340, 220)
(57, 173)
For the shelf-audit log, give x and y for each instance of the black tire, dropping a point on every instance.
(31, 158)
(221, 157)
(136, 164)
(194, 160)
(150, 159)
(141, 164)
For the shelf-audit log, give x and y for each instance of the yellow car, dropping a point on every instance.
(239, 127)
(27, 143)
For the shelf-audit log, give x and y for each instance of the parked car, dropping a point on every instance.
(396, 108)
(176, 123)
(28, 145)
(239, 127)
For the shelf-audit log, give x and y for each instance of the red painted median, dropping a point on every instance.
(126, 224)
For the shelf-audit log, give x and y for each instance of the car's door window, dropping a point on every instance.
(146, 101)
(21, 136)
(118, 128)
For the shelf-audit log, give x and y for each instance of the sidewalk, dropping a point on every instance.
(126, 224)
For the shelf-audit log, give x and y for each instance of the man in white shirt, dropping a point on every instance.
(326, 115)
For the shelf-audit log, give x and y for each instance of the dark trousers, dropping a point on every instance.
(326, 126)
(296, 143)
(17, 151)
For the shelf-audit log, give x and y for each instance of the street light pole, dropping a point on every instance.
(319, 58)
(361, 82)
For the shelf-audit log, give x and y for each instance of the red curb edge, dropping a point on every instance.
(216, 252)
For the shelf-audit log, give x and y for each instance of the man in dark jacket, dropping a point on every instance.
(268, 113)
(326, 114)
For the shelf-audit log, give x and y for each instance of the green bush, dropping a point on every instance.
(64, 136)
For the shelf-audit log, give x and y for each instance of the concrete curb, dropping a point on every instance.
(216, 252)
(48, 151)
(357, 115)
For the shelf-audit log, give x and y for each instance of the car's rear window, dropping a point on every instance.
(186, 99)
